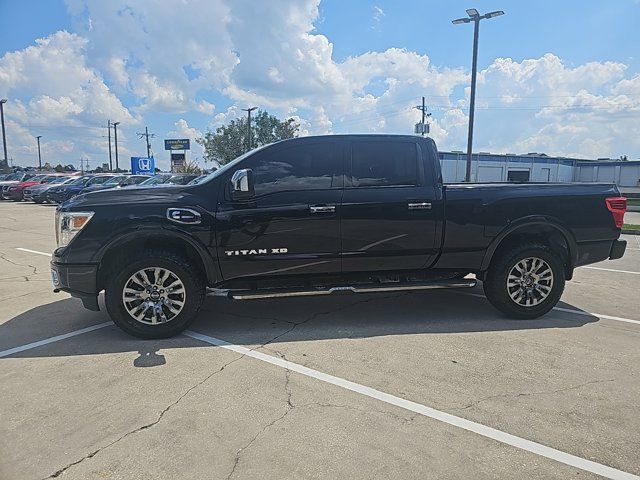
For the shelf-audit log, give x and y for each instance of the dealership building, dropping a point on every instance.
(538, 167)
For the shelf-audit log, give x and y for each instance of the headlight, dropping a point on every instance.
(68, 224)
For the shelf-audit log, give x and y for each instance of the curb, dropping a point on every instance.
(630, 232)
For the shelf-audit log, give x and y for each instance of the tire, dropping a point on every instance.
(525, 297)
(151, 262)
(38, 201)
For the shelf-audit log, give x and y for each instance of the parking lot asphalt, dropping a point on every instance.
(399, 385)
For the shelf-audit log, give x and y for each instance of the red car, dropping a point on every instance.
(15, 192)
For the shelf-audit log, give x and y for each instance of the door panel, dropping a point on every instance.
(292, 224)
(386, 226)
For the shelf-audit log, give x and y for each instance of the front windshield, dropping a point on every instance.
(156, 180)
(180, 179)
(97, 180)
(80, 180)
(59, 180)
(115, 180)
(14, 176)
(233, 163)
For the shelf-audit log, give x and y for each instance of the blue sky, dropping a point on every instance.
(570, 86)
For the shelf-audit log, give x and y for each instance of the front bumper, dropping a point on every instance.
(12, 195)
(57, 197)
(80, 281)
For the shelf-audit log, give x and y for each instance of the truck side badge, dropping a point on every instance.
(184, 215)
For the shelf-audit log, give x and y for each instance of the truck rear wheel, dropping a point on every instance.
(155, 295)
(526, 281)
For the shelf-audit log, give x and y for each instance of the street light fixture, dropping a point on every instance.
(474, 17)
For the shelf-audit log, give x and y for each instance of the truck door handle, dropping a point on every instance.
(419, 206)
(322, 208)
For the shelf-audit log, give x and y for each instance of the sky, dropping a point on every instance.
(561, 78)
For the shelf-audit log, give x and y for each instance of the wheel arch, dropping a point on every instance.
(541, 228)
(125, 245)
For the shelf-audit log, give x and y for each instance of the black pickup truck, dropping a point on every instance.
(318, 215)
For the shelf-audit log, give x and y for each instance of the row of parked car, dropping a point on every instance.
(57, 188)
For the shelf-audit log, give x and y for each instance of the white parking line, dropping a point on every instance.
(57, 338)
(612, 270)
(33, 251)
(569, 310)
(498, 435)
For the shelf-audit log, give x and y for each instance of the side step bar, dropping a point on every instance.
(365, 288)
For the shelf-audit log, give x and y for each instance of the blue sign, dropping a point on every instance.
(143, 165)
(177, 144)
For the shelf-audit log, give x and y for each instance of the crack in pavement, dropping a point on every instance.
(289, 408)
(527, 394)
(4, 257)
(143, 427)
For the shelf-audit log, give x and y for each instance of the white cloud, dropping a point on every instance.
(54, 93)
(169, 61)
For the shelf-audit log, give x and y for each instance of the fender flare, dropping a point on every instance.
(530, 221)
(210, 264)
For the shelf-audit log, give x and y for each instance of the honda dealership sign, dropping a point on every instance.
(143, 165)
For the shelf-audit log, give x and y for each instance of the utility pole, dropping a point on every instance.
(249, 110)
(39, 156)
(115, 139)
(147, 135)
(475, 17)
(422, 130)
(4, 137)
(82, 161)
(109, 135)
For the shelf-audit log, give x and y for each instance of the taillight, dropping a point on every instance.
(617, 206)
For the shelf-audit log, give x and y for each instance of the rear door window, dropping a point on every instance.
(384, 163)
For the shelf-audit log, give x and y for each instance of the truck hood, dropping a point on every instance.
(169, 195)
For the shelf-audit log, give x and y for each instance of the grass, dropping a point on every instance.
(630, 226)
(633, 201)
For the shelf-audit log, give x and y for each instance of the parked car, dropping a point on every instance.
(118, 181)
(317, 215)
(38, 193)
(169, 179)
(15, 191)
(197, 180)
(13, 179)
(63, 193)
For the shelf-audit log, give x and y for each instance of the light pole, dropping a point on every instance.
(109, 136)
(474, 17)
(39, 156)
(249, 110)
(115, 141)
(4, 137)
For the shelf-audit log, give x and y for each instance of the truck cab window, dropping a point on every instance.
(384, 164)
(304, 167)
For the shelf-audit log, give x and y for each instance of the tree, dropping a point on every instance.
(230, 141)
(190, 166)
(624, 158)
(59, 168)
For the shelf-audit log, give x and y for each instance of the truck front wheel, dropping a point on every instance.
(525, 281)
(155, 295)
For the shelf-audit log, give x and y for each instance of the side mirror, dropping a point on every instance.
(242, 184)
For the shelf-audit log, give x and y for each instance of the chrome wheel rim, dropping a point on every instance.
(154, 295)
(530, 282)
